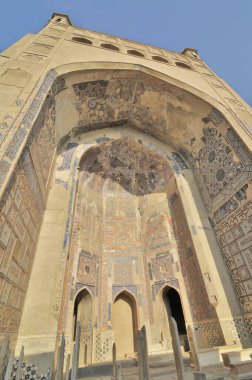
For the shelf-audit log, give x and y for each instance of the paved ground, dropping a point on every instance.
(161, 368)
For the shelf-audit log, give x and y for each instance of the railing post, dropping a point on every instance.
(60, 359)
(142, 352)
(9, 368)
(118, 371)
(76, 350)
(176, 349)
(20, 363)
(114, 360)
(67, 367)
(193, 350)
(3, 355)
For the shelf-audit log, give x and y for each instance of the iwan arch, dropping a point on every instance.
(126, 189)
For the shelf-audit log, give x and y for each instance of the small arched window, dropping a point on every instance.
(135, 52)
(82, 40)
(184, 65)
(58, 19)
(159, 59)
(111, 47)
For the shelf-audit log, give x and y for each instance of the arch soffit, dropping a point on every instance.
(74, 68)
(161, 150)
(71, 68)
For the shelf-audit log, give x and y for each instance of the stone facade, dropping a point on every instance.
(125, 171)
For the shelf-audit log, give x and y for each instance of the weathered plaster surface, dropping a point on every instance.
(119, 173)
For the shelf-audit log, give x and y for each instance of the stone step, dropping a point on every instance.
(104, 369)
(159, 366)
(159, 361)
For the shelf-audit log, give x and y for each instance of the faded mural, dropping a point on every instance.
(124, 233)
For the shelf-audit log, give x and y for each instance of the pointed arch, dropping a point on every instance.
(124, 318)
(127, 292)
(83, 312)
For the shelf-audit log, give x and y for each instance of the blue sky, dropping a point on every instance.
(220, 29)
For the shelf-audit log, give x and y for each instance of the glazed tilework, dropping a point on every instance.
(17, 245)
(79, 286)
(29, 372)
(123, 271)
(231, 205)
(216, 176)
(200, 306)
(103, 346)
(114, 245)
(179, 160)
(121, 161)
(147, 289)
(222, 167)
(86, 269)
(234, 235)
(242, 327)
(21, 212)
(119, 289)
(120, 99)
(67, 156)
(25, 127)
(159, 285)
(43, 134)
(155, 230)
(208, 334)
(162, 268)
(70, 206)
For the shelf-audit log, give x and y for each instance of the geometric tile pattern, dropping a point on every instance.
(200, 306)
(216, 164)
(208, 334)
(29, 372)
(162, 268)
(102, 347)
(26, 125)
(234, 235)
(21, 212)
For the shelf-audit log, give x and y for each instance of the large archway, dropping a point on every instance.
(127, 205)
(124, 324)
(127, 101)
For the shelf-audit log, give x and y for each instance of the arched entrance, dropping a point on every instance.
(92, 102)
(124, 323)
(83, 312)
(174, 309)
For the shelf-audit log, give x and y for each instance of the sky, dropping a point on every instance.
(221, 30)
